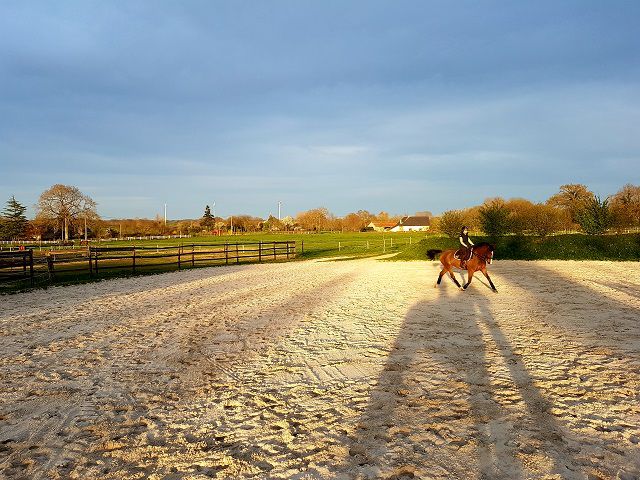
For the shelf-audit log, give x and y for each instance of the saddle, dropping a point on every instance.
(458, 255)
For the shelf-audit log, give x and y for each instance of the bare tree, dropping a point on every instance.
(65, 204)
(572, 198)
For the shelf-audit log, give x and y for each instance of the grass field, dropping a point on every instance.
(308, 246)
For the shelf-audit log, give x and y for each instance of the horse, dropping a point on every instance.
(481, 256)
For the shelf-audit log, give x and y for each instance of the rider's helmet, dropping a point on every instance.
(464, 227)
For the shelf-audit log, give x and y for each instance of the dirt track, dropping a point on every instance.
(355, 369)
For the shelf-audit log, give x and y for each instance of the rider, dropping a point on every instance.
(465, 251)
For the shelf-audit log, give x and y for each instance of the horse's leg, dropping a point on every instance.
(484, 270)
(455, 280)
(469, 278)
(442, 272)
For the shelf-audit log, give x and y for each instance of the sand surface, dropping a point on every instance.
(352, 369)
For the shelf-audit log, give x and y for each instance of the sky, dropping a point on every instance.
(397, 106)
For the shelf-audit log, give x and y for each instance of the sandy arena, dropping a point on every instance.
(326, 369)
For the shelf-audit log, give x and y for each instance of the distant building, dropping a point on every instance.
(381, 226)
(412, 224)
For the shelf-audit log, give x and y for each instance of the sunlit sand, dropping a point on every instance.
(352, 369)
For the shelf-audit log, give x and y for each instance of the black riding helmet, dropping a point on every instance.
(464, 227)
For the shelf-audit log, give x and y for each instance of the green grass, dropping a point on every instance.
(557, 247)
(315, 245)
(308, 246)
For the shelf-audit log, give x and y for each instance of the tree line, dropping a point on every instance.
(63, 212)
(573, 208)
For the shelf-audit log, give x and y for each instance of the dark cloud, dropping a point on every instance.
(348, 105)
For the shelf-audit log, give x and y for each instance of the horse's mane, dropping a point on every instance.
(484, 244)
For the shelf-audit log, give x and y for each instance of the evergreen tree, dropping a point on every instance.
(207, 218)
(13, 224)
(595, 218)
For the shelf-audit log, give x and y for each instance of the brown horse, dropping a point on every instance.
(482, 255)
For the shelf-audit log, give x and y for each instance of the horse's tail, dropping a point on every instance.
(432, 254)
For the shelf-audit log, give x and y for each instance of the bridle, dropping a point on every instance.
(485, 258)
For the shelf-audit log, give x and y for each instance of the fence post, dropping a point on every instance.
(303, 247)
(193, 255)
(50, 266)
(31, 266)
(179, 252)
(90, 264)
(287, 250)
(24, 264)
(226, 254)
(260, 251)
(274, 250)
(96, 269)
(237, 254)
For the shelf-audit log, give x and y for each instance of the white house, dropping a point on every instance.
(413, 224)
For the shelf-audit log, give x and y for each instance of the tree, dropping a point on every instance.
(207, 218)
(595, 217)
(450, 223)
(521, 214)
(625, 207)
(271, 224)
(65, 203)
(288, 222)
(353, 222)
(13, 224)
(572, 198)
(545, 219)
(494, 218)
(316, 219)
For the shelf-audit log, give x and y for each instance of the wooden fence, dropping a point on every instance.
(25, 266)
(16, 267)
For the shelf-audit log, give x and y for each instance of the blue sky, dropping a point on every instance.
(399, 106)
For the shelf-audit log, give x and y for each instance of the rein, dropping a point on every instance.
(484, 258)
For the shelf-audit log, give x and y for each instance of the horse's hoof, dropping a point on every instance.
(462, 289)
(495, 291)
(435, 285)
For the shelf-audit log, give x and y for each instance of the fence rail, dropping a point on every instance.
(16, 267)
(27, 266)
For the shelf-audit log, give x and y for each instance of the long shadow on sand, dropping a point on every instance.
(455, 399)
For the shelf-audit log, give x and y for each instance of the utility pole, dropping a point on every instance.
(279, 206)
(214, 211)
(85, 228)
(165, 213)
(231, 224)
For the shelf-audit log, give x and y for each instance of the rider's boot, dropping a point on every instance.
(463, 264)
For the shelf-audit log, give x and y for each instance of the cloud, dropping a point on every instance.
(414, 106)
